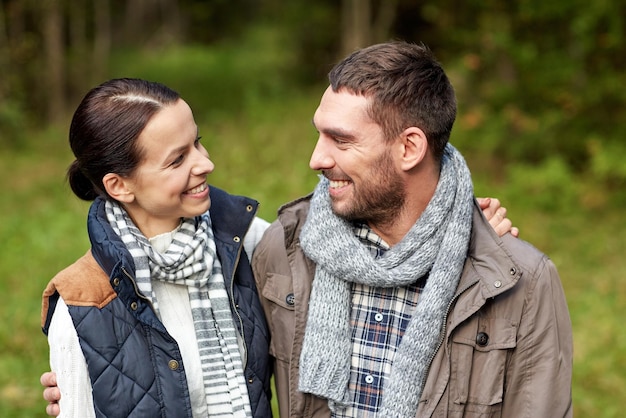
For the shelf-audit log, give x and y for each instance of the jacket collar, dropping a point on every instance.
(489, 261)
(489, 270)
(106, 246)
(292, 216)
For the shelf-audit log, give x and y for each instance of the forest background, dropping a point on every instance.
(541, 98)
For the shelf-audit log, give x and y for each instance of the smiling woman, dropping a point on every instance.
(144, 323)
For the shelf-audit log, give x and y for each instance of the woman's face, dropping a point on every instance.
(170, 182)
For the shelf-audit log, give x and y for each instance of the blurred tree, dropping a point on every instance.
(54, 51)
(365, 22)
(102, 39)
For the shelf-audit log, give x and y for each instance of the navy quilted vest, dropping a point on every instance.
(131, 357)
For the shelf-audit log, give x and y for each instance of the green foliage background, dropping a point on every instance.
(540, 122)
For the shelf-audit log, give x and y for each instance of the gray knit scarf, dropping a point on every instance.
(191, 260)
(436, 245)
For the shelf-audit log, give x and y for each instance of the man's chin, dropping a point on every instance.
(342, 212)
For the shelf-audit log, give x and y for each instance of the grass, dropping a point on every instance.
(262, 150)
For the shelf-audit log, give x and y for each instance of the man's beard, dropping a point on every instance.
(378, 200)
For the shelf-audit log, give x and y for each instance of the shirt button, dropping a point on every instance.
(497, 284)
(378, 317)
(369, 379)
(172, 364)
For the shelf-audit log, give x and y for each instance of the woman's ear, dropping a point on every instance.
(118, 187)
(415, 147)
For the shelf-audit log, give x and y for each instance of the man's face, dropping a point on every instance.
(353, 154)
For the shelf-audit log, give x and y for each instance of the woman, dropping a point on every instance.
(161, 316)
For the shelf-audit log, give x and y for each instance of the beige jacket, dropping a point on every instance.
(507, 350)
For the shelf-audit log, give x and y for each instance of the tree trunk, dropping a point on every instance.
(356, 18)
(385, 17)
(171, 18)
(54, 53)
(102, 39)
(80, 56)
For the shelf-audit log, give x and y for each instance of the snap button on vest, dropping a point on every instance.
(116, 282)
(236, 239)
(482, 339)
(249, 208)
(133, 306)
(172, 364)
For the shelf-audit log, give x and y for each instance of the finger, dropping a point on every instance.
(53, 409)
(515, 231)
(483, 202)
(497, 217)
(503, 227)
(493, 208)
(48, 379)
(52, 394)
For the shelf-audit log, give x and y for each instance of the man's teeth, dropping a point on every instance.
(198, 189)
(338, 183)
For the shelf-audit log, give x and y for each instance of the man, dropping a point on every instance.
(386, 291)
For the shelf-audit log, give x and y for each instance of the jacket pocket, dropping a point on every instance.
(479, 353)
(280, 312)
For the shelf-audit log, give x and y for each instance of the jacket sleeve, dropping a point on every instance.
(539, 379)
(68, 362)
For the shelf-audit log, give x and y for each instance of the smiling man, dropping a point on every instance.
(386, 291)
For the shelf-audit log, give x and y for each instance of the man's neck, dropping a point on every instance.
(417, 199)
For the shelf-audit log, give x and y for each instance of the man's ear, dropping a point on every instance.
(118, 187)
(414, 147)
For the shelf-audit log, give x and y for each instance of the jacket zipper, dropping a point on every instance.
(137, 292)
(232, 302)
(442, 336)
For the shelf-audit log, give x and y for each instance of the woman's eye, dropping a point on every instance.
(178, 160)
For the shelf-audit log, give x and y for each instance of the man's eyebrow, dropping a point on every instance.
(334, 132)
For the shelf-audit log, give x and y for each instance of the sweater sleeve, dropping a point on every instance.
(68, 362)
(254, 235)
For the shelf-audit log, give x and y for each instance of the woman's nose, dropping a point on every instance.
(202, 163)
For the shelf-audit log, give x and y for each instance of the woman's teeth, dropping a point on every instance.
(197, 189)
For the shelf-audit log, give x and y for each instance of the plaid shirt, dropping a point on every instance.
(378, 320)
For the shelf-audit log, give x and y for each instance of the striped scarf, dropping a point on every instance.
(191, 260)
(436, 245)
